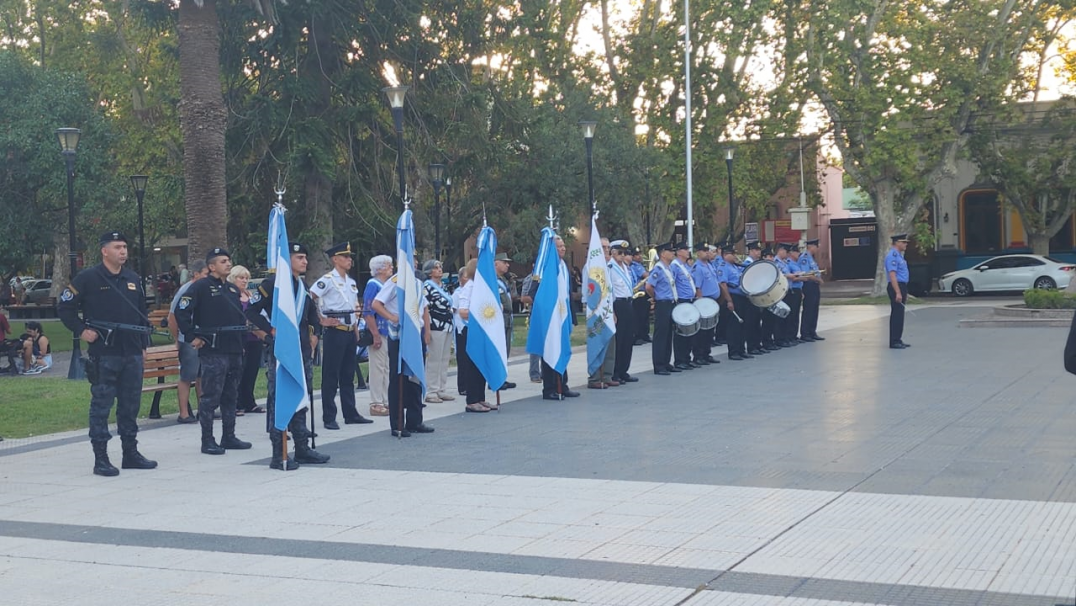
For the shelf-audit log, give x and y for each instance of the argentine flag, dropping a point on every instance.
(598, 295)
(287, 309)
(485, 326)
(551, 326)
(408, 292)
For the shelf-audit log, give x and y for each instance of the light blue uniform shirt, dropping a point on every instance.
(637, 272)
(807, 262)
(795, 267)
(659, 279)
(685, 287)
(706, 278)
(731, 275)
(894, 261)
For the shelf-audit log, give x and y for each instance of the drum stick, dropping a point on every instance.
(737, 316)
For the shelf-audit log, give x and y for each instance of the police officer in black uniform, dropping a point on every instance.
(261, 300)
(115, 325)
(211, 319)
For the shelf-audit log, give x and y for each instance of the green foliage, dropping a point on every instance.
(1039, 298)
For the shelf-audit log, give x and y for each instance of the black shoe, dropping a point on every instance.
(673, 369)
(101, 465)
(713, 360)
(420, 429)
(771, 348)
(230, 442)
(682, 366)
(210, 447)
(551, 396)
(754, 352)
(628, 379)
(694, 364)
(818, 338)
(904, 344)
(507, 385)
(747, 356)
(401, 434)
(662, 373)
(736, 356)
(803, 340)
(310, 456)
(701, 361)
(359, 421)
(897, 346)
(279, 464)
(187, 420)
(570, 394)
(639, 342)
(134, 460)
(332, 425)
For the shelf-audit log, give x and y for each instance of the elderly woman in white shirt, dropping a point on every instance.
(441, 333)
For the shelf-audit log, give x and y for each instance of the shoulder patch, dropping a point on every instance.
(354, 287)
(184, 302)
(393, 279)
(256, 296)
(321, 284)
(67, 295)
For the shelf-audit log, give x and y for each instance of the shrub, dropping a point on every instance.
(1037, 298)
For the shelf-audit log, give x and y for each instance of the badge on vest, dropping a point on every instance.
(131, 286)
(67, 295)
(184, 302)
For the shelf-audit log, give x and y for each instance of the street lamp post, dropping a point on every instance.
(68, 138)
(396, 95)
(448, 209)
(437, 172)
(588, 136)
(732, 205)
(139, 184)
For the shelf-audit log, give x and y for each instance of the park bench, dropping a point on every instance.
(33, 311)
(161, 362)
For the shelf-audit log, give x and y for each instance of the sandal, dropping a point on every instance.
(239, 413)
(476, 407)
(379, 410)
(258, 409)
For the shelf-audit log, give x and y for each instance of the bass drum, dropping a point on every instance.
(764, 284)
(686, 318)
(708, 312)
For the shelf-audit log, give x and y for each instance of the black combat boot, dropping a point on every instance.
(209, 445)
(276, 438)
(101, 465)
(230, 442)
(132, 459)
(304, 454)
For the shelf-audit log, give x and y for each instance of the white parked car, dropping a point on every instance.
(1008, 273)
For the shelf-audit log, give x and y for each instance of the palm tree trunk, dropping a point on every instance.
(321, 64)
(203, 120)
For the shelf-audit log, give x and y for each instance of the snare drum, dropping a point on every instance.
(764, 284)
(708, 312)
(686, 318)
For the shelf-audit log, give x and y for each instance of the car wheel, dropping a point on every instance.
(1045, 282)
(962, 288)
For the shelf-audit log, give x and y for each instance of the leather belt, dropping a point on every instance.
(344, 327)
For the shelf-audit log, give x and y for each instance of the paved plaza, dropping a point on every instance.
(839, 472)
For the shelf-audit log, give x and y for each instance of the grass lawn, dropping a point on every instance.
(60, 338)
(33, 406)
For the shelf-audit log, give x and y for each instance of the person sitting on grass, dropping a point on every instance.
(36, 350)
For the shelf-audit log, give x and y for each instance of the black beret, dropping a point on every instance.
(112, 236)
(214, 253)
(298, 249)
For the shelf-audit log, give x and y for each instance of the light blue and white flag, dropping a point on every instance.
(408, 295)
(551, 326)
(291, 395)
(485, 325)
(598, 294)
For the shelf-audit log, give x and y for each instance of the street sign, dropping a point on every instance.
(750, 232)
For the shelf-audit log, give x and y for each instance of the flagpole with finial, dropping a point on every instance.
(485, 225)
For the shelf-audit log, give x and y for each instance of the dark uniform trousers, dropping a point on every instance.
(752, 324)
(792, 321)
(625, 323)
(473, 381)
(769, 325)
(734, 330)
(252, 362)
(641, 311)
(682, 345)
(896, 312)
(663, 334)
(297, 425)
(704, 340)
(553, 383)
(400, 385)
(338, 372)
(812, 298)
(220, 373)
(119, 379)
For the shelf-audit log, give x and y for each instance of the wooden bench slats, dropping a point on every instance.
(159, 387)
(161, 361)
(152, 374)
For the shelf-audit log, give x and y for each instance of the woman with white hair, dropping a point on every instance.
(473, 381)
(440, 350)
(252, 347)
(380, 272)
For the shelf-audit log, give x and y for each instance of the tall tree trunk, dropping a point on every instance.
(320, 65)
(61, 272)
(889, 223)
(1040, 242)
(203, 120)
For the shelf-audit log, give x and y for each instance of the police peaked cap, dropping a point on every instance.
(812, 242)
(682, 246)
(621, 245)
(702, 246)
(754, 245)
(899, 238)
(664, 247)
(344, 248)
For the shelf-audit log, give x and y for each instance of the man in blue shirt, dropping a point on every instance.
(686, 292)
(718, 264)
(705, 277)
(769, 320)
(735, 304)
(782, 330)
(640, 306)
(896, 269)
(812, 293)
(796, 287)
(660, 286)
(752, 316)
